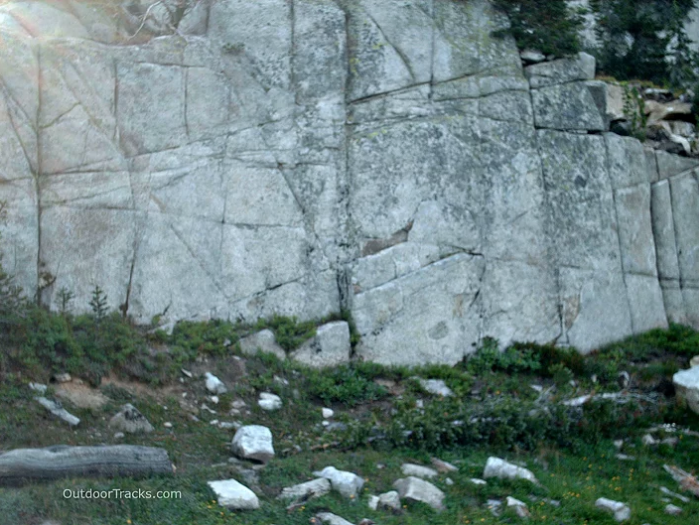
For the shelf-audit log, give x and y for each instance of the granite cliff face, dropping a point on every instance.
(231, 158)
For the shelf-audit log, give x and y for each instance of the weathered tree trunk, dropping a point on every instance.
(36, 464)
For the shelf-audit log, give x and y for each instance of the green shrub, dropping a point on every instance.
(289, 332)
(645, 39)
(549, 26)
(192, 338)
(519, 357)
(344, 384)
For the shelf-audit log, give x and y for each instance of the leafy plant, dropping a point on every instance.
(289, 332)
(561, 375)
(634, 111)
(98, 303)
(344, 384)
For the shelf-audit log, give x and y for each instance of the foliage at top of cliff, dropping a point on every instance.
(646, 39)
(638, 39)
(547, 25)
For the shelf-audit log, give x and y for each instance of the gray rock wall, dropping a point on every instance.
(236, 159)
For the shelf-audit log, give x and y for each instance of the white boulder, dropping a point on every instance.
(498, 468)
(263, 341)
(409, 469)
(330, 346)
(130, 420)
(620, 511)
(346, 483)
(415, 489)
(332, 519)
(253, 442)
(57, 410)
(313, 489)
(686, 383)
(233, 495)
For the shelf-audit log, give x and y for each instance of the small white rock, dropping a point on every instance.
(205, 407)
(332, 519)
(327, 413)
(119, 435)
(214, 384)
(38, 387)
(649, 440)
(214, 399)
(390, 500)
(168, 424)
(620, 511)
(449, 482)
(674, 494)
(373, 502)
(62, 378)
(186, 373)
(269, 402)
(443, 466)
(673, 510)
(409, 469)
(477, 481)
(436, 387)
(519, 507)
(57, 410)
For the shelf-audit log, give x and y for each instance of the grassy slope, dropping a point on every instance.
(576, 473)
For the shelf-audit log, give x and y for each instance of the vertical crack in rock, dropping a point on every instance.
(617, 233)
(37, 177)
(432, 49)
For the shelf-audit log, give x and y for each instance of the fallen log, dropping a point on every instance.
(28, 465)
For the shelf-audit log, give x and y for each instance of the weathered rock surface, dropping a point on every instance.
(253, 442)
(329, 347)
(415, 489)
(239, 159)
(233, 495)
